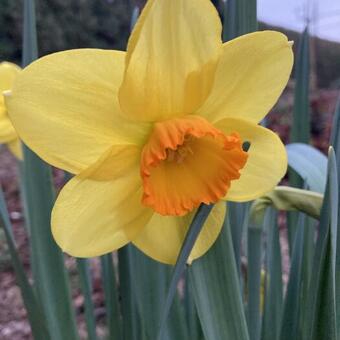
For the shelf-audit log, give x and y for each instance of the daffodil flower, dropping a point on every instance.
(154, 132)
(8, 136)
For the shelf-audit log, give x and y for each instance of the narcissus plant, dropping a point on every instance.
(154, 132)
(8, 136)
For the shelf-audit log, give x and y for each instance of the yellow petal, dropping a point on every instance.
(171, 59)
(16, 148)
(8, 73)
(7, 131)
(266, 164)
(163, 236)
(65, 107)
(252, 73)
(91, 217)
(113, 163)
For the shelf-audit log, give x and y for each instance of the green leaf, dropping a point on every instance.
(320, 310)
(255, 229)
(189, 242)
(150, 285)
(35, 314)
(132, 329)
(273, 300)
(238, 219)
(240, 17)
(216, 290)
(292, 307)
(300, 127)
(86, 288)
(300, 132)
(287, 199)
(134, 17)
(310, 164)
(30, 42)
(111, 298)
(335, 136)
(335, 141)
(50, 277)
(194, 326)
(20, 165)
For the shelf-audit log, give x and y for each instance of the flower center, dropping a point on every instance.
(180, 154)
(186, 162)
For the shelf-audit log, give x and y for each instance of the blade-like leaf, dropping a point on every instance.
(50, 277)
(335, 136)
(238, 219)
(111, 298)
(255, 229)
(34, 312)
(134, 17)
(291, 314)
(240, 17)
(132, 329)
(320, 310)
(216, 290)
(274, 289)
(189, 242)
(20, 165)
(310, 164)
(335, 141)
(150, 285)
(300, 131)
(86, 288)
(300, 127)
(194, 325)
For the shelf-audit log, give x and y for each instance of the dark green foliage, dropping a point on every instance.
(216, 290)
(35, 313)
(319, 320)
(148, 291)
(240, 17)
(300, 130)
(73, 24)
(190, 238)
(113, 319)
(273, 296)
(85, 281)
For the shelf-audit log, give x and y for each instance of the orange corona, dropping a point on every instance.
(187, 161)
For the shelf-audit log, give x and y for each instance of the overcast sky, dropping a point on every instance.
(324, 15)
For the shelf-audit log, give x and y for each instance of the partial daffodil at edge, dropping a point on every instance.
(153, 132)
(8, 135)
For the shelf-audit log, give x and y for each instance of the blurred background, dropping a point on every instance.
(68, 24)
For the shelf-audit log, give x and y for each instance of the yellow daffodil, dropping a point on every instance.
(8, 73)
(154, 132)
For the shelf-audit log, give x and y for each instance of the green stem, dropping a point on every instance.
(188, 244)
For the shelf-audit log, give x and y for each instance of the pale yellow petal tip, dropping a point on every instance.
(7, 93)
(7, 64)
(290, 43)
(330, 151)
